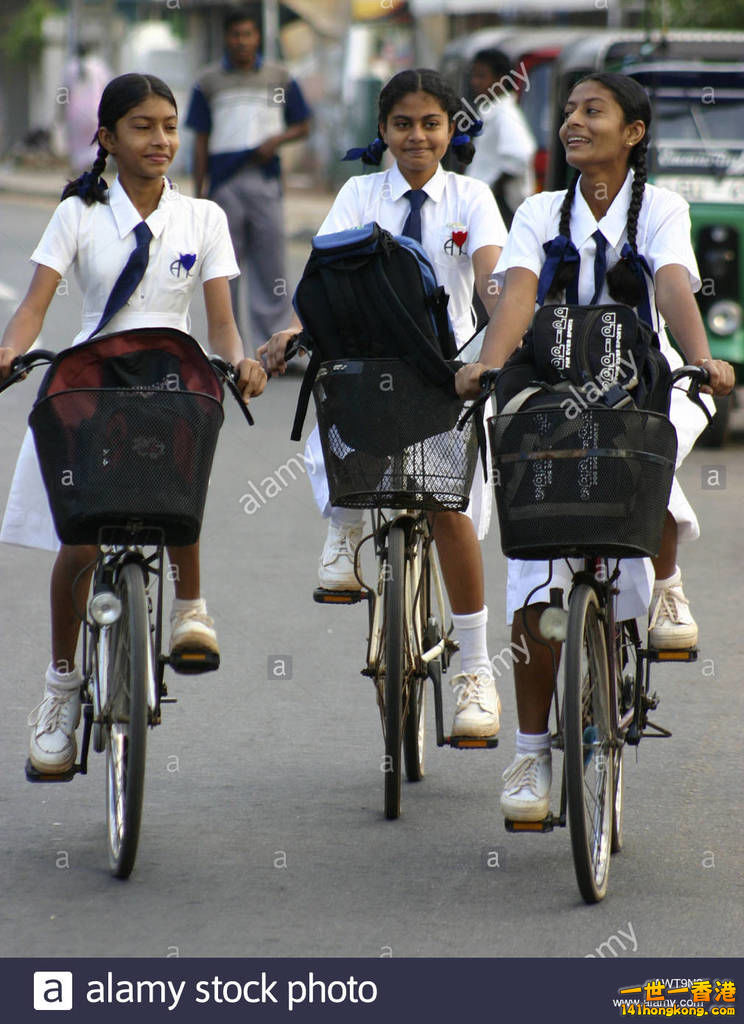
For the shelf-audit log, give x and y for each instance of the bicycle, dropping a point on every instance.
(390, 444)
(583, 479)
(114, 441)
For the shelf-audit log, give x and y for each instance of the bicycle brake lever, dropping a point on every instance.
(693, 393)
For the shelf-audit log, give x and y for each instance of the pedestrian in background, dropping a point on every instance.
(506, 148)
(85, 78)
(243, 109)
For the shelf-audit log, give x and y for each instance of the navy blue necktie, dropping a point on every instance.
(600, 265)
(412, 227)
(129, 278)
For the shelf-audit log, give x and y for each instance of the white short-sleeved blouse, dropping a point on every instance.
(459, 217)
(190, 244)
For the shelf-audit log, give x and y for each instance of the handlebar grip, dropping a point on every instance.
(698, 375)
(230, 375)
(29, 359)
(297, 342)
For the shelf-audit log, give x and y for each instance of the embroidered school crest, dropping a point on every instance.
(184, 263)
(458, 236)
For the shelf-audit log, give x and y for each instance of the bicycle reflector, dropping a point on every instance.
(104, 607)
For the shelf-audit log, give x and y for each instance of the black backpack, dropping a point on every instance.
(588, 355)
(366, 293)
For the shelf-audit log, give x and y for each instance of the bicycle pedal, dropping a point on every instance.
(323, 596)
(472, 742)
(34, 775)
(191, 663)
(661, 655)
(546, 825)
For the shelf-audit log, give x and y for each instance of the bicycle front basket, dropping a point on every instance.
(389, 437)
(596, 484)
(125, 430)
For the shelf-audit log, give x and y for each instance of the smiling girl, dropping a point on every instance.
(555, 246)
(458, 224)
(98, 230)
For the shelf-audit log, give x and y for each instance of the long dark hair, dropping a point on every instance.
(622, 282)
(426, 80)
(119, 97)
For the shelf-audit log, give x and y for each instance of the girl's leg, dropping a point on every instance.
(478, 704)
(192, 629)
(52, 747)
(671, 626)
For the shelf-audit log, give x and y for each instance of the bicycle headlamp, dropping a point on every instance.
(104, 607)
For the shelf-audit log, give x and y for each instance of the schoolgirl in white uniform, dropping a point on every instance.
(605, 137)
(175, 242)
(457, 221)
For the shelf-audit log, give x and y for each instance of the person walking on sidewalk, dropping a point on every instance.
(243, 109)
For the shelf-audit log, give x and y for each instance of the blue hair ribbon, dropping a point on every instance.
(472, 133)
(559, 250)
(371, 154)
(87, 182)
(640, 267)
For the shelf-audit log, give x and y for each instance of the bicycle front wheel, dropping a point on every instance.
(588, 747)
(126, 721)
(395, 606)
(426, 634)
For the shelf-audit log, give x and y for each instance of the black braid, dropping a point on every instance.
(464, 152)
(622, 283)
(90, 191)
(565, 272)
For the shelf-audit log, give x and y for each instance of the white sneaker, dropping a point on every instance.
(670, 624)
(52, 747)
(526, 795)
(336, 569)
(478, 708)
(193, 630)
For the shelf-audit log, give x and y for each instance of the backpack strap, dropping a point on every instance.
(305, 390)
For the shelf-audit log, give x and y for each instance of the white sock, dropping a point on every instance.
(533, 743)
(676, 577)
(347, 516)
(63, 680)
(470, 633)
(188, 604)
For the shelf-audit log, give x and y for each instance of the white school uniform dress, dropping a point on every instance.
(663, 238)
(459, 217)
(97, 241)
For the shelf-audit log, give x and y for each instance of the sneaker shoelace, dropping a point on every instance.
(668, 606)
(194, 614)
(346, 544)
(470, 691)
(522, 775)
(47, 714)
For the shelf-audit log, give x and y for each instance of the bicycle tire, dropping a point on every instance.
(588, 756)
(414, 728)
(126, 721)
(395, 584)
(628, 678)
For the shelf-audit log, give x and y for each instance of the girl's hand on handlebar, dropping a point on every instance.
(722, 377)
(251, 378)
(7, 355)
(467, 380)
(272, 353)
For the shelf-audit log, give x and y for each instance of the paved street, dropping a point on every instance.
(263, 832)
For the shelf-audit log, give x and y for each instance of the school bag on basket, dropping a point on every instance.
(366, 293)
(591, 355)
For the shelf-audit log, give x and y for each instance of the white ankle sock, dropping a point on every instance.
(63, 680)
(533, 742)
(347, 516)
(187, 604)
(470, 633)
(676, 577)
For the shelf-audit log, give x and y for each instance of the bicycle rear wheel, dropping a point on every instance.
(126, 721)
(395, 605)
(588, 750)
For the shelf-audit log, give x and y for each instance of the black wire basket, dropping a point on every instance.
(125, 428)
(389, 437)
(595, 484)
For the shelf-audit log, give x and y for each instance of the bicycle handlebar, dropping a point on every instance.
(22, 364)
(229, 374)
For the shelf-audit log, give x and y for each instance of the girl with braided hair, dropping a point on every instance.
(179, 242)
(609, 217)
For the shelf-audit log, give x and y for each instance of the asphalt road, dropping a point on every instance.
(263, 831)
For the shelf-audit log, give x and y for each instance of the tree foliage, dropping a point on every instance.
(721, 14)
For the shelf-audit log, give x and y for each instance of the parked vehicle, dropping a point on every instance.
(696, 84)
